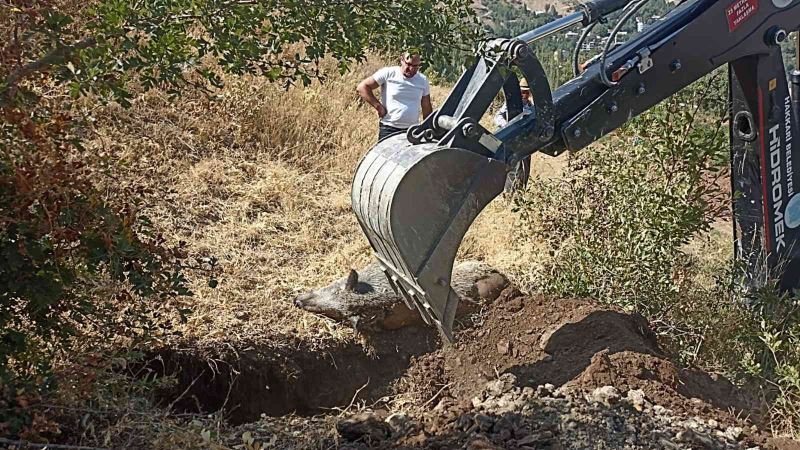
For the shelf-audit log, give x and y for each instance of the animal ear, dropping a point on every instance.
(352, 281)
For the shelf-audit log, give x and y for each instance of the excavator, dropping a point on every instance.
(415, 194)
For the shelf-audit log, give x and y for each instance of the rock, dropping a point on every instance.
(528, 392)
(607, 395)
(637, 399)
(545, 390)
(503, 347)
(697, 439)
(366, 425)
(692, 423)
(733, 433)
(504, 383)
(713, 424)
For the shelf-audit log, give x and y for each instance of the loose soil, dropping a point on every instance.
(579, 345)
(294, 378)
(552, 357)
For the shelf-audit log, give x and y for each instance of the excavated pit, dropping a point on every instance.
(291, 379)
(571, 343)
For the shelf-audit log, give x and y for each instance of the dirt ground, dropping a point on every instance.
(527, 372)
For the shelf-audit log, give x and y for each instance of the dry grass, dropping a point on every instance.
(260, 179)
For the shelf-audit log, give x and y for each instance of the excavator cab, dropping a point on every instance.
(416, 194)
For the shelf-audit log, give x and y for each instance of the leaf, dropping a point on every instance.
(247, 437)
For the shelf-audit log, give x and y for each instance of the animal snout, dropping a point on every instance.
(302, 300)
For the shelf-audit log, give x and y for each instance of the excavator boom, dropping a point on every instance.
(416, 194)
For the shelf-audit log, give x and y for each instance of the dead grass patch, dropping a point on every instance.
(260, 179)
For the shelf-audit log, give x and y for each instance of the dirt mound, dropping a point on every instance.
(573, 343)
(682, 389)
(533, 372)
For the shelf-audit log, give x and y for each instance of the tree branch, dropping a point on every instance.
(54, 56)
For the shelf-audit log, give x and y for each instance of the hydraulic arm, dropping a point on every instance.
(416, 194)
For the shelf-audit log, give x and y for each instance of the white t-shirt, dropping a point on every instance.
(401, 96)
(501, 119)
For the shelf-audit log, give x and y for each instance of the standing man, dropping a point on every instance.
(404, 92)
(501, 118)
(517, 178)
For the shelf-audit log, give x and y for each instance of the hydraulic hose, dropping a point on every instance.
(612, 37)
(576, 53)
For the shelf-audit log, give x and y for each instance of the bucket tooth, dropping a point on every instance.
(414, 203)
(423, 311)
(394, 282)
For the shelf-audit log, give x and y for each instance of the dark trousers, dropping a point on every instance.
(385, 131)
(517, 178)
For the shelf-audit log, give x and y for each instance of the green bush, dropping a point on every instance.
(70, 257)
(615, 223)
(767, 351)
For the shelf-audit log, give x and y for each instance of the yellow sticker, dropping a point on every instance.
(773, 83)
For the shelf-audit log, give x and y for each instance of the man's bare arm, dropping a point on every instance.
(427, 108)
(365, 89)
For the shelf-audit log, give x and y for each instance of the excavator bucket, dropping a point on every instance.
(415, 203)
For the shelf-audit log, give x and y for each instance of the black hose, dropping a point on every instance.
(576, 53)
(611, 37)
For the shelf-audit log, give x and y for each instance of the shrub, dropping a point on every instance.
(615, 224)
(60, 240)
